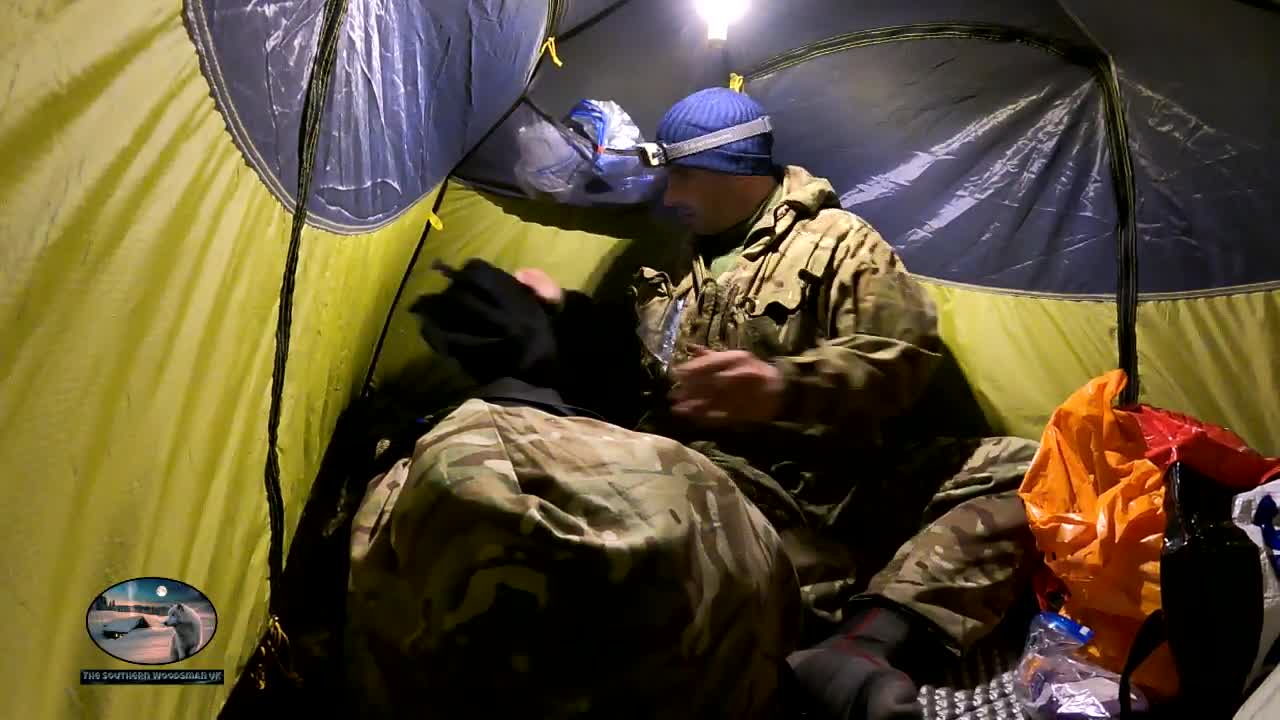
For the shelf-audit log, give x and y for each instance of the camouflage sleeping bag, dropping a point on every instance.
(564, 567)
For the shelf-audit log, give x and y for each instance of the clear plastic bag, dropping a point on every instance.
(587, 160)
(1054, 683)
(661, 339)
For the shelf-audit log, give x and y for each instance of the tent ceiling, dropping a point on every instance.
(1008, 189)
(984, 163)
(575, 13)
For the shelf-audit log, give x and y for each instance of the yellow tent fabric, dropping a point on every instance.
(576, 246)
(1021, 355)
(1209, 357)
(140, 268)
(139, 275)
(1215, 358)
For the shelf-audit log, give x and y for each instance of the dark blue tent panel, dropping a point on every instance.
(491, 166)
(982, 162)
(772, 28)
(415, 85)
(1202, 94)
(644, 55)
(574, 14)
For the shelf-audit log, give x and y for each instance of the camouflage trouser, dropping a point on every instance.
(950, 508)
(562, 567)
(966, 569)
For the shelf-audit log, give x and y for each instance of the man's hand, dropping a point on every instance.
(547, 289)
(731, 387)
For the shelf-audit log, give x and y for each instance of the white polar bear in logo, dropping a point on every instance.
(186, 632)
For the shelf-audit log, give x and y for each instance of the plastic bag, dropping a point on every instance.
(1256, 512)
(1094, 497)
(660, 340)
(587, 160)
(1054, 683)
(1171, 437)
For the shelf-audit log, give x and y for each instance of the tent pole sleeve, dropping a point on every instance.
(309, 137)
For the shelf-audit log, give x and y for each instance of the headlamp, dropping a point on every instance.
(659, 154)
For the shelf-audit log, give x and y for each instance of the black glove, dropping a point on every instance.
(492, 325)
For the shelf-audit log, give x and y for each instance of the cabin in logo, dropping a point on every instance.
(119, 628)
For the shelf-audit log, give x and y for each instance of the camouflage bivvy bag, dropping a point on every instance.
(564, 567)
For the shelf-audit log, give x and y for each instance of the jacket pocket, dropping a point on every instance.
(787, 295)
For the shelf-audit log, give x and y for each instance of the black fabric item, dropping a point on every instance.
(1210, 591)
(492, 325)
(870, 667)
(855, 687)
(1151, 635)
(601, 357)
(511, 393)
(1210, 595)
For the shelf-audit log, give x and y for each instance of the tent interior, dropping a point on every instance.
(1080, 186)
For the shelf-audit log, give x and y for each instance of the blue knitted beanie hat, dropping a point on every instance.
(707, 111)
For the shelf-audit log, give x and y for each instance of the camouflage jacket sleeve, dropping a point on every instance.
(882, 341)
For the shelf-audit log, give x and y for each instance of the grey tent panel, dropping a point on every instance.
(1202, 96)
(415, 85)
(1007, 188)
(576, 13)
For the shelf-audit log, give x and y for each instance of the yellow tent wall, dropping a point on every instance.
(1210, 357)
(576, 246)
(140, 264)
(1055, 345)
(139, 275)
(1214, 357)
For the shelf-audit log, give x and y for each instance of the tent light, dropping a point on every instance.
(720, 14)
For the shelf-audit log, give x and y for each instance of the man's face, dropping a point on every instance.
(704, 201)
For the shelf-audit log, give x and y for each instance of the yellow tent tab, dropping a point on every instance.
(550, 46)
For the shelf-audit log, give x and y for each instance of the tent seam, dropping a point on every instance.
(274, 644)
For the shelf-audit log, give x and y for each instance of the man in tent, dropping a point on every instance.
(782, 353)
(529, 560)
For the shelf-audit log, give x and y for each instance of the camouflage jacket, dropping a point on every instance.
(816, 291)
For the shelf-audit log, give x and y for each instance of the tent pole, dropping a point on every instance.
(395, 301)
